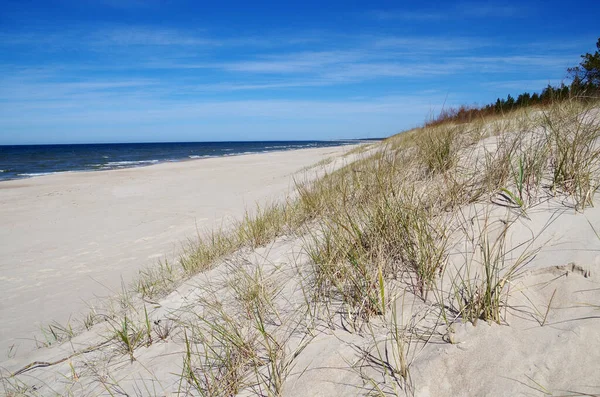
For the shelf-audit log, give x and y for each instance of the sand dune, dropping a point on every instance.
(454, 260)
(69, 238)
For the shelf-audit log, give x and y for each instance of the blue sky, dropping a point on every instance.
(76, 71)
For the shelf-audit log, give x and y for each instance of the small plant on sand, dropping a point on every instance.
(57, 333)
(528, 169)
(396, 343)
(480, 297)
(274, 374)
(200, 254)
(422, 245)
(573, 133)
(128, 336)
(90, 319)
(163, 328)
(392, 354)
(519, 182)
(155, 282)
(353, 281)
(436, 148)
(480, 286)
(220, 350)
(148, 327)
(15, 388)
(266, 224)
(253, 290)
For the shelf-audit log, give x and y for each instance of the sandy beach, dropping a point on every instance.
(70, 238)
(403, 273)
(299, 199)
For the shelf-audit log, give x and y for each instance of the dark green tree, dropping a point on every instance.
(524, 99)
(563, 91)
(548, 94)
(499, 105)
(510, 102)
(577, 87)
(588, 71)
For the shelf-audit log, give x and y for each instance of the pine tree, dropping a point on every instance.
(510, 102)
(588, 71)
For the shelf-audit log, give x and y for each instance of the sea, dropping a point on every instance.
(25, 161)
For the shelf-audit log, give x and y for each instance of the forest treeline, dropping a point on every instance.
(585, 84)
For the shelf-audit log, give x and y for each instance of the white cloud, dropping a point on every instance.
(406, 15)
(96, 109)
(128, 36)
(534, 85)
(501, 63)
(456, 10)
(433, 45)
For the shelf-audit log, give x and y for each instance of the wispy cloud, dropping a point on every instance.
(19, 90)
(500, 63)
(535, 85)
(406, 15)
(144, 75)
(128, 36)
(366, 58)
(295, 62)
(491, 10)
(96, 110)
(454, 11)
(120, 4)
(435, 45)
(117, 36)
(230, 86)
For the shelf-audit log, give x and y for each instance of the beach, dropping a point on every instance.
(423, 265)
(290, 199)
(70, 239)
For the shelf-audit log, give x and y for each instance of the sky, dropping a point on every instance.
(83, 71)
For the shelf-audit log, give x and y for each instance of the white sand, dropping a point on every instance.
(548, 342)
(68, 238)
(541, 351)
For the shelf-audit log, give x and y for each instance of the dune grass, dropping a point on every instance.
(381, 224)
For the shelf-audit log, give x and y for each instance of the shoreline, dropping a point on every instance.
(397, 274)
(154, 162)
(75, 237)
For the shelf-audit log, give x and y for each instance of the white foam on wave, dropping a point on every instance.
(206, 156)
(43, 173)
(126, 163)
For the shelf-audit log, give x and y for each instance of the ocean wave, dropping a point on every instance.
(2, 171)
(280, 147)
(207, 156)
(130, 163)
(42, 173)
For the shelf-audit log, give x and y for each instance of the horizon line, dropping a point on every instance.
(175, 142)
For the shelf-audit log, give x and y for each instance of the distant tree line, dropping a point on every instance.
(585, 85)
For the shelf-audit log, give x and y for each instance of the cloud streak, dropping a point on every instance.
(117, 75)
(461, 10)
